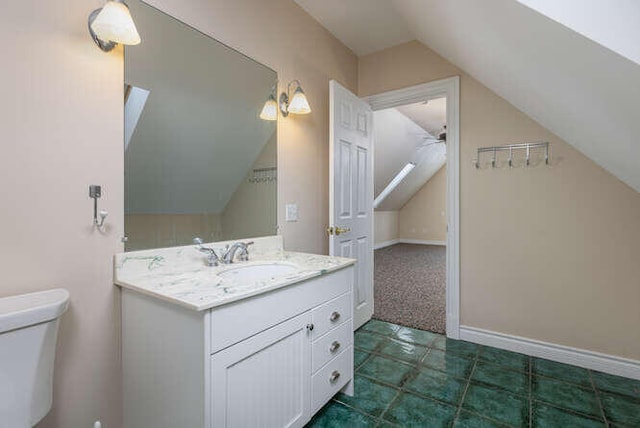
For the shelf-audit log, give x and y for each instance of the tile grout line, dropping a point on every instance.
(595, 390)
(411, 363)
(466, 387)
(388, 406)
(530, 391)
(400, 388)
(373, 353)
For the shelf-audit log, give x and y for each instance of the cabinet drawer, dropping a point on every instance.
(236, 321)
(331, 314)
(331, 344)
(331, 378)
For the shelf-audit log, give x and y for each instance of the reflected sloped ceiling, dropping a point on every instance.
(199, 132)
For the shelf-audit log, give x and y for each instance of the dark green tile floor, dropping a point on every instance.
(412, 378)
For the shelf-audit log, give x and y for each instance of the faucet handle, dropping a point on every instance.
(244, 248)
(212, 257)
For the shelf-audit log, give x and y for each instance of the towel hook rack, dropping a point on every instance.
(527, 147)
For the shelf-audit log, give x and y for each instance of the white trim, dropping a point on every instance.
(422, 242)
(391, 242)
(564, 354)
(384, 244)
(449, 88)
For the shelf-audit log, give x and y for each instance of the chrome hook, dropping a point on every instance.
(95, 192)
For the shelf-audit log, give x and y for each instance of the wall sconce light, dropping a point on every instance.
(270, 108)
(297, 104)
(113, 24)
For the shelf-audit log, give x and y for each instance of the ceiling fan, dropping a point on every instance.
(430, 140)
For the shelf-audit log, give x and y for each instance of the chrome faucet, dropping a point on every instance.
(212, 257)
(230, 252)
(228, 255)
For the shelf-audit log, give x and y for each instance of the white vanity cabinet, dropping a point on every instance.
(271, 360)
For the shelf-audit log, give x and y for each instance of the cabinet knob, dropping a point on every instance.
(310, 327)
(335, 316)
(334, 376)
(334, 347)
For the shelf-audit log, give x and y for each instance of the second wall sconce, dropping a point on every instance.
(113, 24)
(294, 104)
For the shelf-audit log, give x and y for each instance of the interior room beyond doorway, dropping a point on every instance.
(410, 219)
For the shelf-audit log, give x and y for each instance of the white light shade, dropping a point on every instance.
(114, 23)
(393, 184)
(299, 103)
(270, 109)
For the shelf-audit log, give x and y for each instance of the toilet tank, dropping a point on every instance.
(28, 334)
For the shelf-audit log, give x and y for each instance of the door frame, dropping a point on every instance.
(449, 88)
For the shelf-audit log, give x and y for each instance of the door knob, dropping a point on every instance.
(337, 230)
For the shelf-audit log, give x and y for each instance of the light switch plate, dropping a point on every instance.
(291, 212)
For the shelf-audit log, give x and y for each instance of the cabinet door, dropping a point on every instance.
(264, 381)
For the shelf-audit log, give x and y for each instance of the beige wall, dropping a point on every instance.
(424, 216)
(62, 109)
(62, 128)
(251, 211)
(546, 253)
(385, 226)
(146, 231)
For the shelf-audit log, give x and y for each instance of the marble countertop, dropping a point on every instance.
(180, 274)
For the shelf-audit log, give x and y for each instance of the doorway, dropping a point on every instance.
(410, 222)
(447, 89)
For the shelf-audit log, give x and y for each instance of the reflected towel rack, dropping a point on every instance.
(264, 175)
(511, 148)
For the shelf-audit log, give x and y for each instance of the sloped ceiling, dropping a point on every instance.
(431, 116)
(580, 90)
(615, 24)
(365, 26)
(399, 140)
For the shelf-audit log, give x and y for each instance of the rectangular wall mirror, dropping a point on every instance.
(198, 159)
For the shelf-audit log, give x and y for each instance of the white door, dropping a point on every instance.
(351, 192)
(264, 381)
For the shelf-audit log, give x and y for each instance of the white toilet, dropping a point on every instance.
(28, 333)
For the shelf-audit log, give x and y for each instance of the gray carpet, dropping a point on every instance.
(410, 286)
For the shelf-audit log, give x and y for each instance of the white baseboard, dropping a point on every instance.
(407, 241)
(386, 244)
(422, 242)
(560, 353)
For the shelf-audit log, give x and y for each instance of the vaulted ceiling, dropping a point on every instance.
(402, 135)
(572, 68)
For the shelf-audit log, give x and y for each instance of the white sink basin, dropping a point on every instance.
(258, 272)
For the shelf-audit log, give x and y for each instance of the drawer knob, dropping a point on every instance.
(335, 316)
(334, 376)
(310, 327)
(334, 347)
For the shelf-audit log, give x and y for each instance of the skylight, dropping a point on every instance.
(393, 184)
